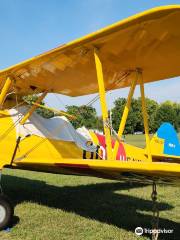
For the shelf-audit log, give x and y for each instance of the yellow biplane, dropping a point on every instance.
(140, 49)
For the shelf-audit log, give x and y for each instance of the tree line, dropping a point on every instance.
(157, 114)
(87, 116)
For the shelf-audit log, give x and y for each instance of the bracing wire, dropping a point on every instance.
(59, 100)
(14, 124)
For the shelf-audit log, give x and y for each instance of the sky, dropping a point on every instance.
(28, 28)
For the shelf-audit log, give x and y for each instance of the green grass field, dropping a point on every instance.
(58, 207)
(138, 140)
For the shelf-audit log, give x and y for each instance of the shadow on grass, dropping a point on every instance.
(95, 201)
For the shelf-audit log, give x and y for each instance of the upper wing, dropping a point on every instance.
(148, 40)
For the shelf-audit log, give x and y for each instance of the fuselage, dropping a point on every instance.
(40, 153)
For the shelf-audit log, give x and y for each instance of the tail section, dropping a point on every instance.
(165, 141)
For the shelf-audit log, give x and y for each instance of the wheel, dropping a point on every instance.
(6, 212)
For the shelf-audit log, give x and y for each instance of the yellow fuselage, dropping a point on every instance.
(45, 154)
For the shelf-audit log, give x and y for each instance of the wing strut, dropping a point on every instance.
(61, 113)
(145, 115)
(102, 95)
(125, 113)
(33, 108)
(4, 90)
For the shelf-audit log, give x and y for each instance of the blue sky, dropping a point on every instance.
(28, 28)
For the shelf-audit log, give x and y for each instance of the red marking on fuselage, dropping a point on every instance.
(121, 153)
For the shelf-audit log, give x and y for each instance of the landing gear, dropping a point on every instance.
(6, 212)
(155, 220)
(6, 209)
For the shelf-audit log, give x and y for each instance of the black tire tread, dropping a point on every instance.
(5, 202)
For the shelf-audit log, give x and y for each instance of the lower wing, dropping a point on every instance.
(120, 170)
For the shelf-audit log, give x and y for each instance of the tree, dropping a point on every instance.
(45, 113)
(86, 116)
(152, 107)
(117, 112)
(176, 107)
(166, 113)
(99, 124)
(134, 121)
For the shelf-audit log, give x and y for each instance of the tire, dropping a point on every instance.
(6, 212)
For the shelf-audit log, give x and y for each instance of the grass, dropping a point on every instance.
(59, 207)
(136, 140)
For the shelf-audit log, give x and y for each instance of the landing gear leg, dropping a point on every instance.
(6, 209)
(155, 220)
